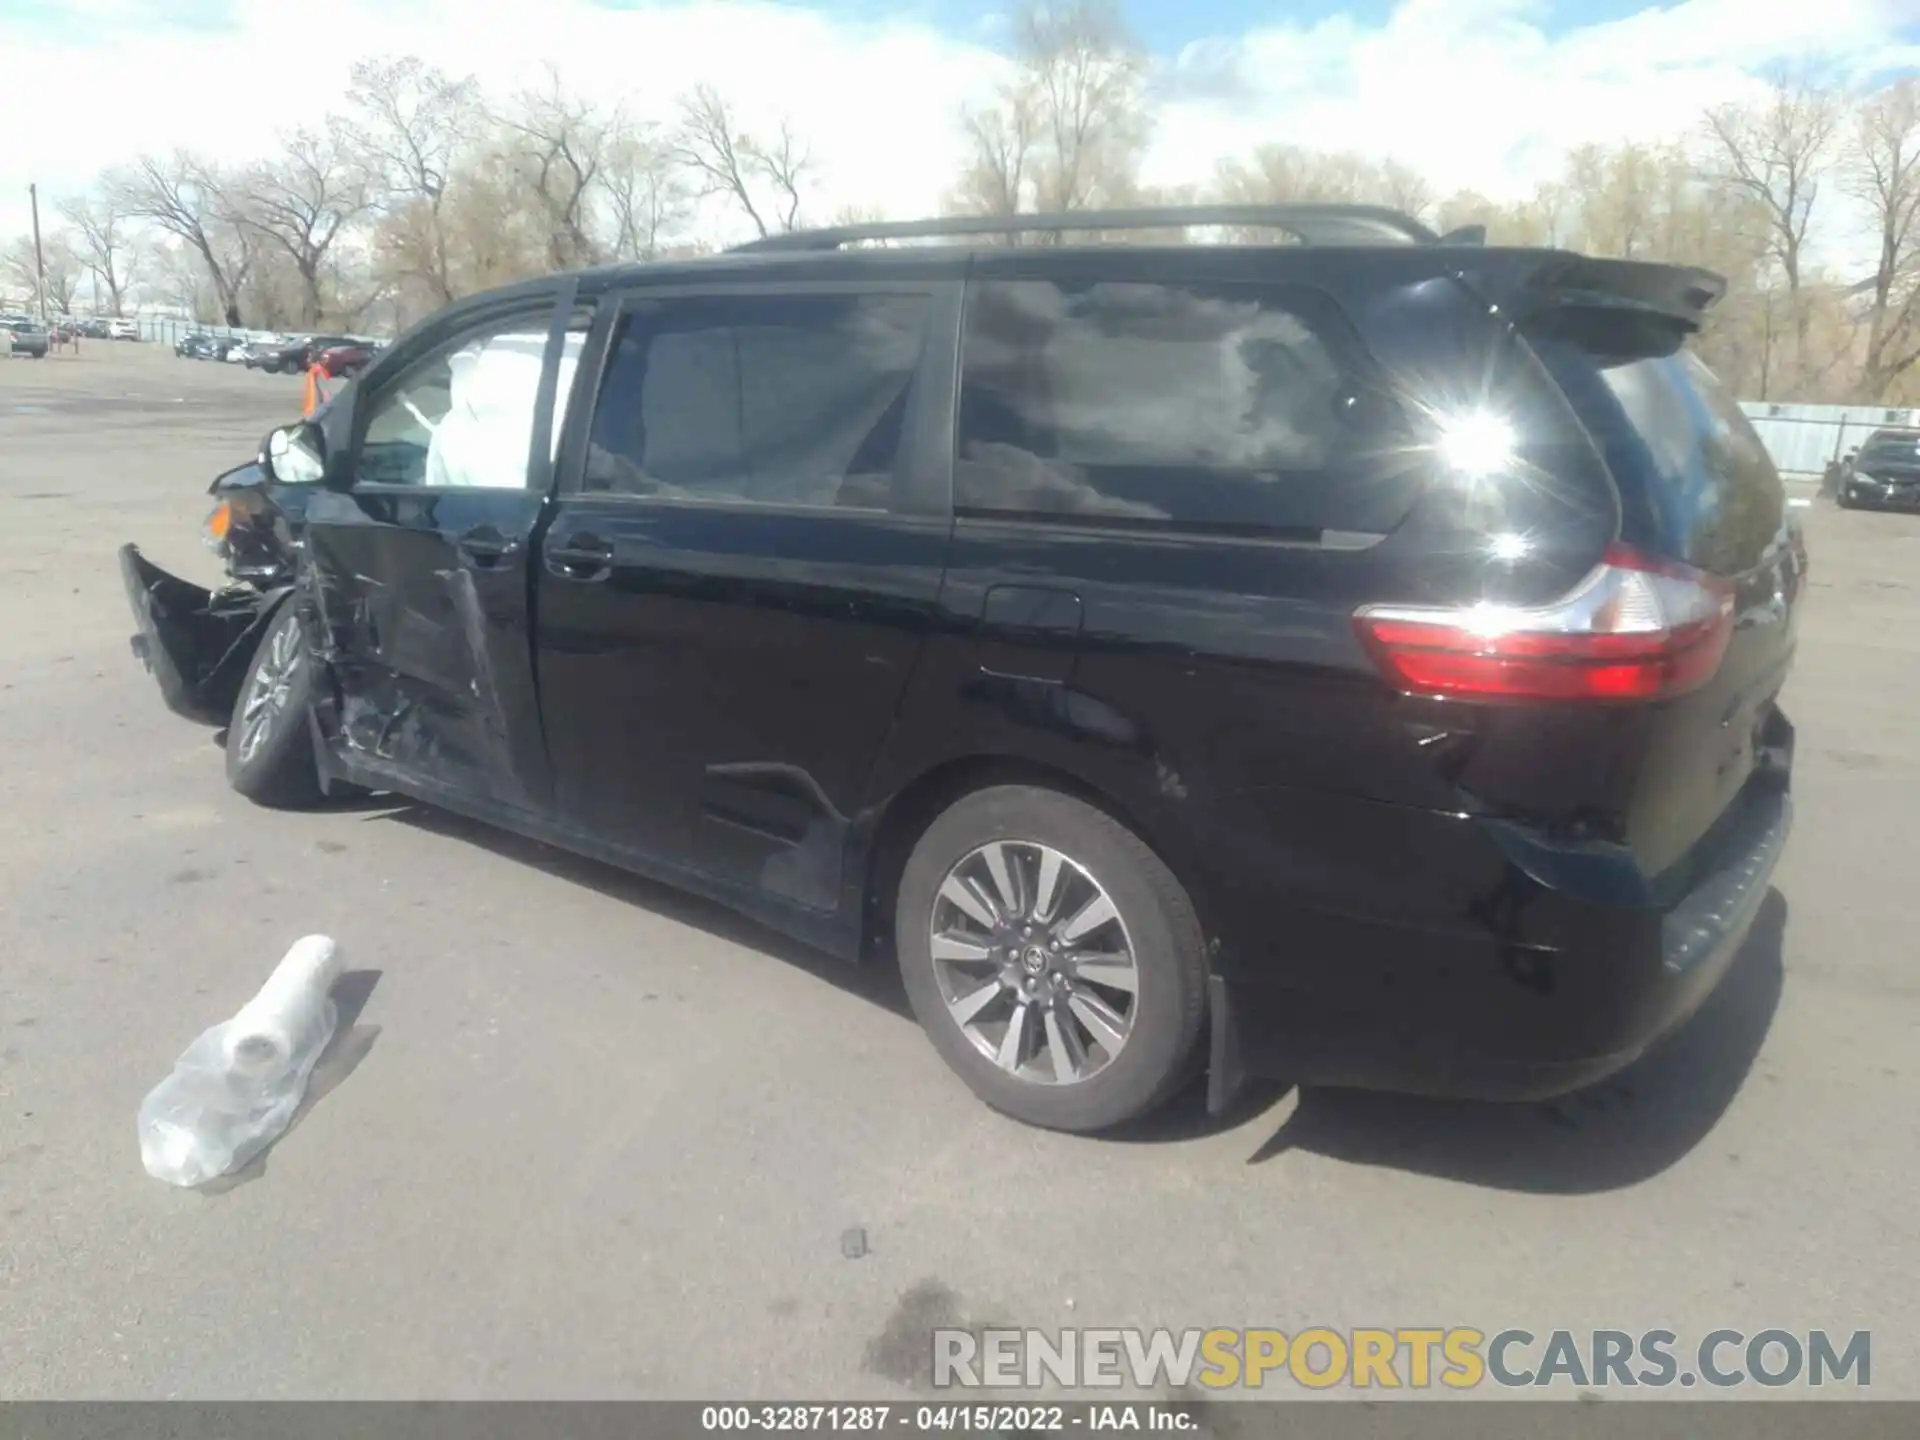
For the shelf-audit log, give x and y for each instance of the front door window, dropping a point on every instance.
(462, 418)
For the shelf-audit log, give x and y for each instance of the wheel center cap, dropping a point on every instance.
(1033, 959)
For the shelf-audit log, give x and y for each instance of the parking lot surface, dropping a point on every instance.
(585, 1137)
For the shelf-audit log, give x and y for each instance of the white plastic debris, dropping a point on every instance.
(236, 1088)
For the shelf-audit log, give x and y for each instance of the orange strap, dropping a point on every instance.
(310, 401)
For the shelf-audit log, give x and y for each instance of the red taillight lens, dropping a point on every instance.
(1636, 628)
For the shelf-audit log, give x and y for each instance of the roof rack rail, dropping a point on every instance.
(1311, 224)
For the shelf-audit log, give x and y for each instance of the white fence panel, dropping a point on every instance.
(1804, 439)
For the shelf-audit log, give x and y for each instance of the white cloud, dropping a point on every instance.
(876, 102)
(1472, 92)
(1475, 94)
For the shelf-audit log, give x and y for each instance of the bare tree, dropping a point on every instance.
(493, 234)
(726, 161)
(1882, 169)
(105, 245)
(1288, 174)
(407, 125)
(179, 276)
(1470, 207)
(1066, 129)
(784, 164)
(1776, 151)
(59, 268)
(180, 194)
(300, 202)
(645, 192)
(1000, 144)
(1405, 189)
(559, 146)
(1089, 78)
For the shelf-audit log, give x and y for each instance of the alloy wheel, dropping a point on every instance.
(1034, 962)
(268, 691)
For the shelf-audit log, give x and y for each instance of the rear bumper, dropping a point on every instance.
(197, 643)
(1447, 1011)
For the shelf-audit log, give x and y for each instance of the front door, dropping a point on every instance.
(742, 565)
(418, 568)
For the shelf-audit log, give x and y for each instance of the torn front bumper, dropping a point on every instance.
(197, 643)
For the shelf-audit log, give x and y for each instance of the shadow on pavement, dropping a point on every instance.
(1618, 1132)
(878, 984)
(349, 1046)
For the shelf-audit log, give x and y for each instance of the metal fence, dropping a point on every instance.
(169, 331)
(1804, 439)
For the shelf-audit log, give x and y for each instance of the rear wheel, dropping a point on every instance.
(269, 747)
(1052, 958)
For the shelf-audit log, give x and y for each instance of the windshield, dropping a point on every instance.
(1891, 445)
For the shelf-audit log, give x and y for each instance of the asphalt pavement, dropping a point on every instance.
(586, 1137)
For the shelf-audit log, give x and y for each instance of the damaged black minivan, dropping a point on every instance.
(1353, 660)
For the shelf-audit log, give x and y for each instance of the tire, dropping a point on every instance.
(1153, 927)
(271, 760)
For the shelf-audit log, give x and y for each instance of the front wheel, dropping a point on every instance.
(1053, 959)
(270, 756)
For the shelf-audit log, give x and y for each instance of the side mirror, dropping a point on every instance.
(295, 454)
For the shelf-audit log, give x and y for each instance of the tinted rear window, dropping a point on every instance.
(1229, 408)
(773, 400)
(1696, 482)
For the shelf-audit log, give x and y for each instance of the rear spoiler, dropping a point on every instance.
(1616, 308)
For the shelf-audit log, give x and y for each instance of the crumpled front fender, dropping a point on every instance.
(196, 642)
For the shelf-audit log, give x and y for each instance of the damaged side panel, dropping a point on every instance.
(196, 642)
(426, 646)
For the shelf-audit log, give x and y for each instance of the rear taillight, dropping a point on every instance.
(1637, 628)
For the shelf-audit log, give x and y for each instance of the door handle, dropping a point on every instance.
(486, 545)
(581, 557)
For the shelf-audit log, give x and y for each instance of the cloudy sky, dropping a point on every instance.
(1481, 93)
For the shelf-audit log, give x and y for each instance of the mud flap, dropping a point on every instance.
(197, 643)
(1226, 1070)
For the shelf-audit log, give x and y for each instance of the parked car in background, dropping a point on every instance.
(288, 354)
(311, 347)
(1354, 661)
(194, 346)
(25, 336)
(122, 330)
(95, 328)
(343, 361)
(216, 347)
(254, 353)
(1883, 473)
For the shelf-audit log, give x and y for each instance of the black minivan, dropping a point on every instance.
(1352, 660)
